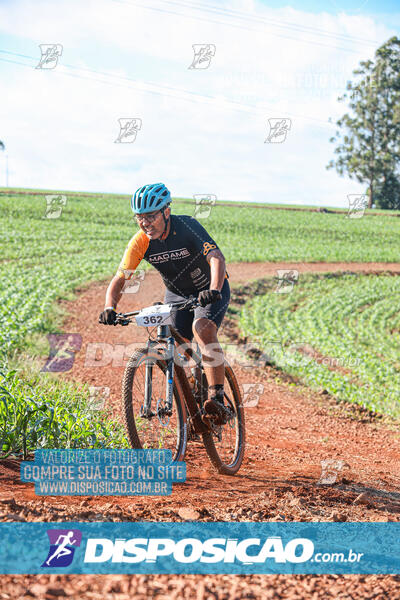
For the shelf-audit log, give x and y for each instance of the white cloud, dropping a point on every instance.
(59, 126)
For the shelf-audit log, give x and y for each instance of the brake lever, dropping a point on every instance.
(121, 321)
(191, 304)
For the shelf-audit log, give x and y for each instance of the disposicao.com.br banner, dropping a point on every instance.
(237, 548)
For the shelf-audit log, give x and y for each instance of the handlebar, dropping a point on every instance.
(188, 304)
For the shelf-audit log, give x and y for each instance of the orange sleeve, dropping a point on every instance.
(134, 253)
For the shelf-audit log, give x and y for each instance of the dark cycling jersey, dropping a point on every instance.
(180, 258)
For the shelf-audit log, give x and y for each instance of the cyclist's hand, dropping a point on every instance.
(208, 297)
(108, 316)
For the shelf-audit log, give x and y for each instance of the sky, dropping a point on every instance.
(210, 130)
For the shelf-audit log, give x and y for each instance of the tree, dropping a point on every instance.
(369, 148)
(387, 192)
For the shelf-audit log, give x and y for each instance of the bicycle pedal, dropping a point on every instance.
(213, 420)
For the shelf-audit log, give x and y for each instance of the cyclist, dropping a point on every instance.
(189, 262)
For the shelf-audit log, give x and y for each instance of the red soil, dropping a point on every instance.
(289, 433)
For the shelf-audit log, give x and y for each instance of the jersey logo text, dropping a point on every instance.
(161, 257)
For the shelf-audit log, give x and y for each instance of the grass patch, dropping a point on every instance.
(38, 412)
(338, 339)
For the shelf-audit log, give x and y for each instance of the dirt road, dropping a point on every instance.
(289, 433)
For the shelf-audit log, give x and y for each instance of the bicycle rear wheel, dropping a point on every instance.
(225, 444)
(154, 430)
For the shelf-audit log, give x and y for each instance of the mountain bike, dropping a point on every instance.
(164, 388)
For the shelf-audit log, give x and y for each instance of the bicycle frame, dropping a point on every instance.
(193, 409)
(171, 337)
(163, 335)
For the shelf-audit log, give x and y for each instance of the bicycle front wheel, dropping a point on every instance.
(225, 444)
(151, 426)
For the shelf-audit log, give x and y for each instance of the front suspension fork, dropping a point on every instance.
(148, 389)
(169, 380)
(169, 383)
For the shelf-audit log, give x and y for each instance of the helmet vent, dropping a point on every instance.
(149, 197)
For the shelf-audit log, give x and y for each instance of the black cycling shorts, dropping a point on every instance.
(182, 320)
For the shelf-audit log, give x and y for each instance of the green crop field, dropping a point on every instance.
(339, 332)
(45, 259)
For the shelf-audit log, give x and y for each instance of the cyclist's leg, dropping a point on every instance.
(181, 319)
(206, 335)
(205, 328)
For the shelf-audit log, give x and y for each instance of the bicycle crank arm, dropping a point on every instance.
(192, 406)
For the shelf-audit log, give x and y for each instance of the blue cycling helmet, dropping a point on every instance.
(149, 198)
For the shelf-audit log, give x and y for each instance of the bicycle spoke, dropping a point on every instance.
(226, 437)
(156, 428)
(225, 443)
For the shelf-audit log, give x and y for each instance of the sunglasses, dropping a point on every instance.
(150, 217)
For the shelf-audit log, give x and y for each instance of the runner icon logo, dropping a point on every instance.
(128, 129)
(252, 393)
(50, 53)
(204, 203)
(357, 205)
(287, 279)
(63, 347)
(203, 54)
(55, 205)
(63, 543)
(133, 279)
(278, 130)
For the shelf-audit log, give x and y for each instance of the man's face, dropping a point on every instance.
(153, 223)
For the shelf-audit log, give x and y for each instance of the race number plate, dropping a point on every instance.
(151, 316)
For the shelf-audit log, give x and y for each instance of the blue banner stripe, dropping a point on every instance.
(200, 548)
